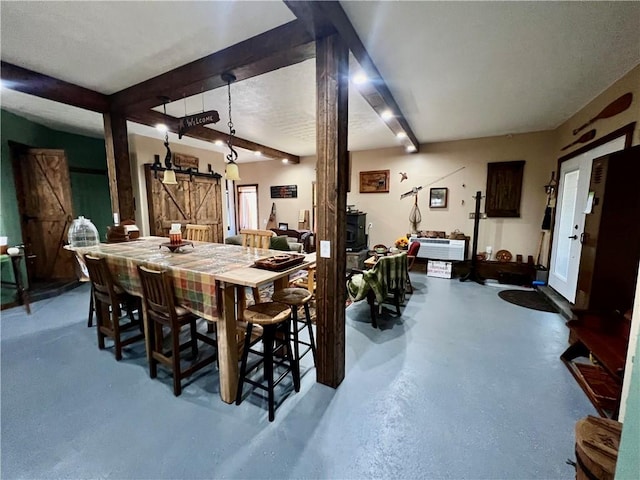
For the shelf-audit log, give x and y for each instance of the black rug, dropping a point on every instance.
(528, 299)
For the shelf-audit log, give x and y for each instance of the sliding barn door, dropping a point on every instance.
(44, 198)
(193, 199)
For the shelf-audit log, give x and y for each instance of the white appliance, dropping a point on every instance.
(440, 248)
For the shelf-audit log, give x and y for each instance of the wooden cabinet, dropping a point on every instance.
(611, 238)
(194, 199)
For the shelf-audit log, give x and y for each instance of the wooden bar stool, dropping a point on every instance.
(272, 317)
(296, 297)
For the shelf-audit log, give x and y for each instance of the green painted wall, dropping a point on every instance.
(90, 192)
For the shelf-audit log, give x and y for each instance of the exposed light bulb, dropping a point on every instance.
(360, 78)
(386, 115)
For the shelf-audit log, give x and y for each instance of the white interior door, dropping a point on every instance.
(573, 192)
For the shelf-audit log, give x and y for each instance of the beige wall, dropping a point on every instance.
(142, 149)
(271, 173)
(390, 215)
(628, 83)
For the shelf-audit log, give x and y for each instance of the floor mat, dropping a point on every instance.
(528, 299)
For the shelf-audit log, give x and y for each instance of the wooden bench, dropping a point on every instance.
(603, 338)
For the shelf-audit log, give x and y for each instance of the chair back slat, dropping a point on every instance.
(257, 238)
(198, 233)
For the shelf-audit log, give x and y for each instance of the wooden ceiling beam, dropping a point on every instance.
(327, 16)
(152, 118)
(44, 86)
(282, 46)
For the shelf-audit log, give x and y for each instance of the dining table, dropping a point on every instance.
(203, 274)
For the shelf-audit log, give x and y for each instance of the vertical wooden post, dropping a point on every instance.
(118, 165)
(332, 72)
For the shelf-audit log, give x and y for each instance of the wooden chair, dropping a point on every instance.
(387, 277)
(107, 299)
(198, 233)
(257, 238)
(158, 296)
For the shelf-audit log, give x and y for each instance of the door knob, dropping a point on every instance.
(573, 237)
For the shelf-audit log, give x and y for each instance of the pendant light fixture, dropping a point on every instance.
(231, 171)
(169, 177)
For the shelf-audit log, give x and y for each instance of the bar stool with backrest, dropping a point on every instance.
(107, 299)
(295, 298)
(158, 298)
(274, 318)
(198, 233)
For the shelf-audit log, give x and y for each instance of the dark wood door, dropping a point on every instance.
(194, 199)
(46, 208)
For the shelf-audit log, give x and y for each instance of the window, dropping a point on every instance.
(247, 207)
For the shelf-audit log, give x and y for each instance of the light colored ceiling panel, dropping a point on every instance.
(278, 109)
(108, 46)
(474, 69)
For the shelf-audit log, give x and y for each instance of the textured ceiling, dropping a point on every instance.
(458, 70)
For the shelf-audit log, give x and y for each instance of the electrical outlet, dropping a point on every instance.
(472, 215)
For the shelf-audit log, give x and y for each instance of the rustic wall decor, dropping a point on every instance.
(185, 161)
(504, 188)
(374, 181)
(438, 197)
(284, 191)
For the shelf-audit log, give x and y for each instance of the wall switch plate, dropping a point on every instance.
(482, 215)
(325, 248)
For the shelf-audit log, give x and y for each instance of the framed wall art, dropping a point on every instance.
(374, 181)
(438, 197)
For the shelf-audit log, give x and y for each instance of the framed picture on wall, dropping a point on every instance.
(374, 181)
(438, 197)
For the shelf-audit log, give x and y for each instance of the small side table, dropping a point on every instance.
(22, 295)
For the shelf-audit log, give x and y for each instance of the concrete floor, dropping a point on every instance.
(463, 385)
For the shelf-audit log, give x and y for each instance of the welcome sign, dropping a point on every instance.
(197, 119)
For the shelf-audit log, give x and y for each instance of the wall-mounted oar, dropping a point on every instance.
(586, 137)
(614, 108)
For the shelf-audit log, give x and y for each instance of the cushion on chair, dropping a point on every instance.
(279, 243)
(233, 240)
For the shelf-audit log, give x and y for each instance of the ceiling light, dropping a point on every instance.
(285, 160)
(161, 127)
(257, 153)
(401, 135)
(360, 78)
(411, 148)
(218, 143)
(386, 115)
(231, 172)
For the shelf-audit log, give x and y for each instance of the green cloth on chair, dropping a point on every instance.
(388, 274)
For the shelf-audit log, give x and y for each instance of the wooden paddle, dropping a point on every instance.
(587, 137)
(614, 108)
